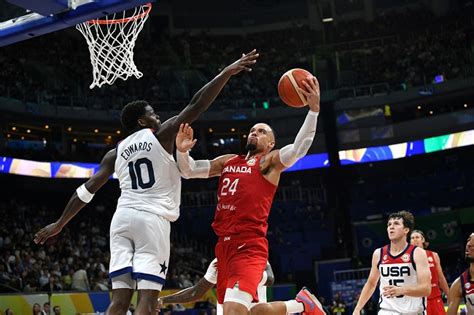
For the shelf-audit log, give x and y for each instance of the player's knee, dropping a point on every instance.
(261, 309)
(233, 308)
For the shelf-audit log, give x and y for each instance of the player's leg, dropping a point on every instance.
(121, 256)
(305, 303)
(151, 235)
(120, 301)
(276, 308)
(147, 302)
(248, 260)
(235, 308)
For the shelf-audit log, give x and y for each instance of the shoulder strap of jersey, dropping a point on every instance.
(464, 277)
(412, 256)
(383, 250)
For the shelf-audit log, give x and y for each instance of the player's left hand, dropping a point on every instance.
(392, 291)
(244, 63)
(184, 138)
(48, 231)
(312, 93)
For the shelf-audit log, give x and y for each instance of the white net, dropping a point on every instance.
(111, 42)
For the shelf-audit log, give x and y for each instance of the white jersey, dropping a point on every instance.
(148, 175)
(399, 270)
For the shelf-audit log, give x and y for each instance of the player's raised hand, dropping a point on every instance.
(48, 231)
(312, 93)
(243, 64)
(184, 138)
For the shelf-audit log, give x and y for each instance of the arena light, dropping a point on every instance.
(438, 79)
(327, 20)
(465, 105)
(46, 126)
(407, 149)
(69, 129)
(118, 132)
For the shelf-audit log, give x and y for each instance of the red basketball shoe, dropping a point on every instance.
(311, 304)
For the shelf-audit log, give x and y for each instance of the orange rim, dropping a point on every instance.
(125, 20)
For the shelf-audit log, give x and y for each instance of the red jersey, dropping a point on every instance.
(244, 199)
(435, 291)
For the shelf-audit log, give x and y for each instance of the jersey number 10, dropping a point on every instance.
(135, 170)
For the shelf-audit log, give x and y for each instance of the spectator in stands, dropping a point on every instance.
(57, 310)
(52, 285)
(36, 309)
(79, 279)
(46, 309)
(8, 311)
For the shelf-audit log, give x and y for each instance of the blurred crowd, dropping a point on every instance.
(176, 67)
(78, 258)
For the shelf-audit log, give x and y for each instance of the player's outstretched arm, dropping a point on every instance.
(443, 284)
(82, 196)
(187, 295)
(190, 168)
(289, 154)
(207, 94)
(455, 297)
(370, 285)
(423, 277)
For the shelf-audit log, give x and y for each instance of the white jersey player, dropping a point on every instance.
(403, 271)
(150, 183)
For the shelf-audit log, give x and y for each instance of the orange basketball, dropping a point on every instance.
(287, 87)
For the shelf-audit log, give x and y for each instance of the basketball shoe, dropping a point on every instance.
(311, 304)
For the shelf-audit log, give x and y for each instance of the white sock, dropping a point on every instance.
(294, 306)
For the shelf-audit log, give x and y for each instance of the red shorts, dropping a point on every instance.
(435, 307)
(240, 262)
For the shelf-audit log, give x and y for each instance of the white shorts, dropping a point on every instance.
(139, 250)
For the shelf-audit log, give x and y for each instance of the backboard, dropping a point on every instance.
(48, 16)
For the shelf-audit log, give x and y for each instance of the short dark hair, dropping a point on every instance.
(408, 219)
(131, 113)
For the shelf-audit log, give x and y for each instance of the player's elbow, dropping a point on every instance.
(185, 176)
(185, 173)
(427, 289)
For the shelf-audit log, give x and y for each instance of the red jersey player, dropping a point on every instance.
(435, 305)
(245, 193)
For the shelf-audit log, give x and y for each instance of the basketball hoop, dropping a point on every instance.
(111, 42)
